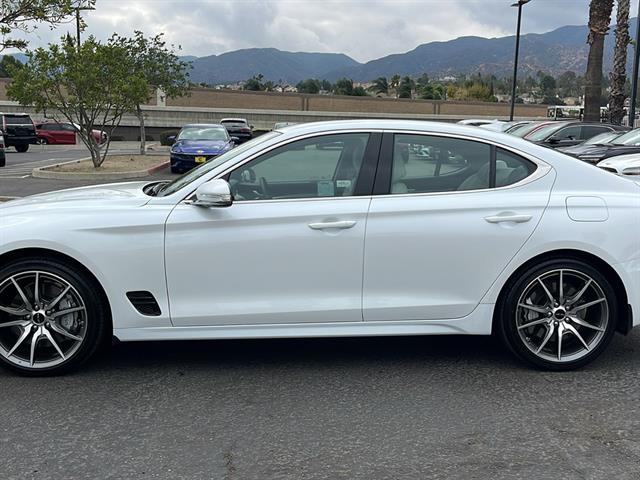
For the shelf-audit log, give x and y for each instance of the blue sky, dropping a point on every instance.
(363, 29)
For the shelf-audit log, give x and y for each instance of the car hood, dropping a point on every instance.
(116, 194)
(621, 162)
(610, 150)
(199, 146)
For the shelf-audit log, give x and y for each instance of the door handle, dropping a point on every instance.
(324, 225)
(508, 217)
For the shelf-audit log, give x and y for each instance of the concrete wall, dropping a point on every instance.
(206, 97)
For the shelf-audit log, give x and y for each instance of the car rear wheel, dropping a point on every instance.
(559, 315)
(22, 148)
(51, 317)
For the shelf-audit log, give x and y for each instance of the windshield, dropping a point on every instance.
(17, 120)
(205, 168)
(522, 130)
(606, 137)
(629, 138)
(203, 133)
(545, 131)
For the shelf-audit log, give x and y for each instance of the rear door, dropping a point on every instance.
(449, 215)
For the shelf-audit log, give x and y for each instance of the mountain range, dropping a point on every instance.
(554, 52)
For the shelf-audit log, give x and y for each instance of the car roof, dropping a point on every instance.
(243, 120)
(202, 125)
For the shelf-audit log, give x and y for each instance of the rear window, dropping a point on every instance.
(17, 120)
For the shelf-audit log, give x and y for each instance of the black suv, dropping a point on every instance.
(568, 134)
(19, 131)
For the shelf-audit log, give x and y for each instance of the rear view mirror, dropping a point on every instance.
(171, 139)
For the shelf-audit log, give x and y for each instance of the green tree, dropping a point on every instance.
(159, 66)
(309, 85)
(92, 86)
(599, 20)
(24, 15)
(394, 83)
(326, 85)
(380, 85)
(344, 86)
(405, 88)
(254, 83)
(359, 91)
(8, 65)
(618, 74)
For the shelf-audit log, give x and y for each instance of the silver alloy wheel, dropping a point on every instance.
(562, 315)
(43, 319)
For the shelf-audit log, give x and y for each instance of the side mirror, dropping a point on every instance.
(171, 139)
(235, 139)
(216, 193)
(553, 140)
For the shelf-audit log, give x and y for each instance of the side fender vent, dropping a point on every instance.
(145, 303)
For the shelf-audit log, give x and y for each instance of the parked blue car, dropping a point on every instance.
(198, 143)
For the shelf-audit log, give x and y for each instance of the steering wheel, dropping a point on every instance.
(264, 187)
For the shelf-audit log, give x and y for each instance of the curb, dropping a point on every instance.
(44, 172)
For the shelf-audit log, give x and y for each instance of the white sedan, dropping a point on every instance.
(353, 228)
(628, 165)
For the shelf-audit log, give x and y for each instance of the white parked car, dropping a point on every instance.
(330, 229)
(627, 165)
(477, 122)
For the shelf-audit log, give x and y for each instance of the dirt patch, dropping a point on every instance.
(113, 164)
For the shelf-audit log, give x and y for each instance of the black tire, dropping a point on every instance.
(22, 148)
(507, 316)
(176, 170)
(3, 159)
(98, 323)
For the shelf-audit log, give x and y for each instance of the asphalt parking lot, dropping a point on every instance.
(381, 408)
(370, 408)
(16, 179)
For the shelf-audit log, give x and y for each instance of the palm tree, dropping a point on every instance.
(394, 83)
(599, 19)
(380, 85)
(618, 75)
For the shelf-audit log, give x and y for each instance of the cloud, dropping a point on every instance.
(363, 29)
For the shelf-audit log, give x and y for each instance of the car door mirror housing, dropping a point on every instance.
(554, 140)
(216, 193)
(235, 139)
(171, 139)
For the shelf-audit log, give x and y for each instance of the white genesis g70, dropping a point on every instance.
(351, 228)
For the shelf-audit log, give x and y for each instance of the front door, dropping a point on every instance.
(289, 249)
(449, 216)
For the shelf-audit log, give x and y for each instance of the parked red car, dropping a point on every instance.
(54, 133)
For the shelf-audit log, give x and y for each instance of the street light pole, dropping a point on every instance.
(634, 81)
(78, 22)
(519, 4)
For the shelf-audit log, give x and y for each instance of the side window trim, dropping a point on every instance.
(382, 183)
(370, 164)
(492, 166)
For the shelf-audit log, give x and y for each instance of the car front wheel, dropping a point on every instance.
(51, 317)
(559, 315)
(22, 148)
